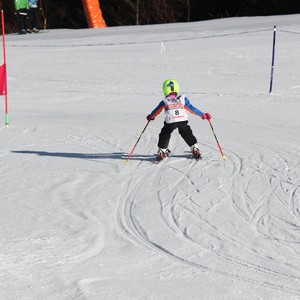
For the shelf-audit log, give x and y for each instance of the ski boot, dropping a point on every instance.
(162, 154)
(196, 152)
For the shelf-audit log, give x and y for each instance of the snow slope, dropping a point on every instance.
(78, 223)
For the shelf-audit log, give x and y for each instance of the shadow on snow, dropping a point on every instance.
(100, 156)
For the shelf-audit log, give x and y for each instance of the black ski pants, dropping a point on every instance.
(184, 130)
(33, 18)
(22, 14)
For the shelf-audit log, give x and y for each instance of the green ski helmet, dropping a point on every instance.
(169, 86)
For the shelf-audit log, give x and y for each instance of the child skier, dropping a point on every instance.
(22, 8)
(33, 9)
(176, 116)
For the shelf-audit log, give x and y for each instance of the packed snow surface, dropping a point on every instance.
(78, 223)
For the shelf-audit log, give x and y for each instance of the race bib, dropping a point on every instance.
(174, 110)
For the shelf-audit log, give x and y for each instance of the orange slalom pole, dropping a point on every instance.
(93, 13)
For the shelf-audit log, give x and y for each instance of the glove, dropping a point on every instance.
(149, 118)
(206, 116)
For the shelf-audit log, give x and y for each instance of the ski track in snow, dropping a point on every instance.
(68, 232)
(188, 202)
(77, 223)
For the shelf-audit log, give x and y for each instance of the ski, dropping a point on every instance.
(197, 157)
(159, 159)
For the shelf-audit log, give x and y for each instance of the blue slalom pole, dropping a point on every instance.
(273, 59)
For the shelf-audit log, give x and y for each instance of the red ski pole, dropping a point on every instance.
(132, 150)
(223, 156)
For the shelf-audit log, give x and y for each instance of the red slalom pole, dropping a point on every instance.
(4, 67)
(223, 156)
(132, 150)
